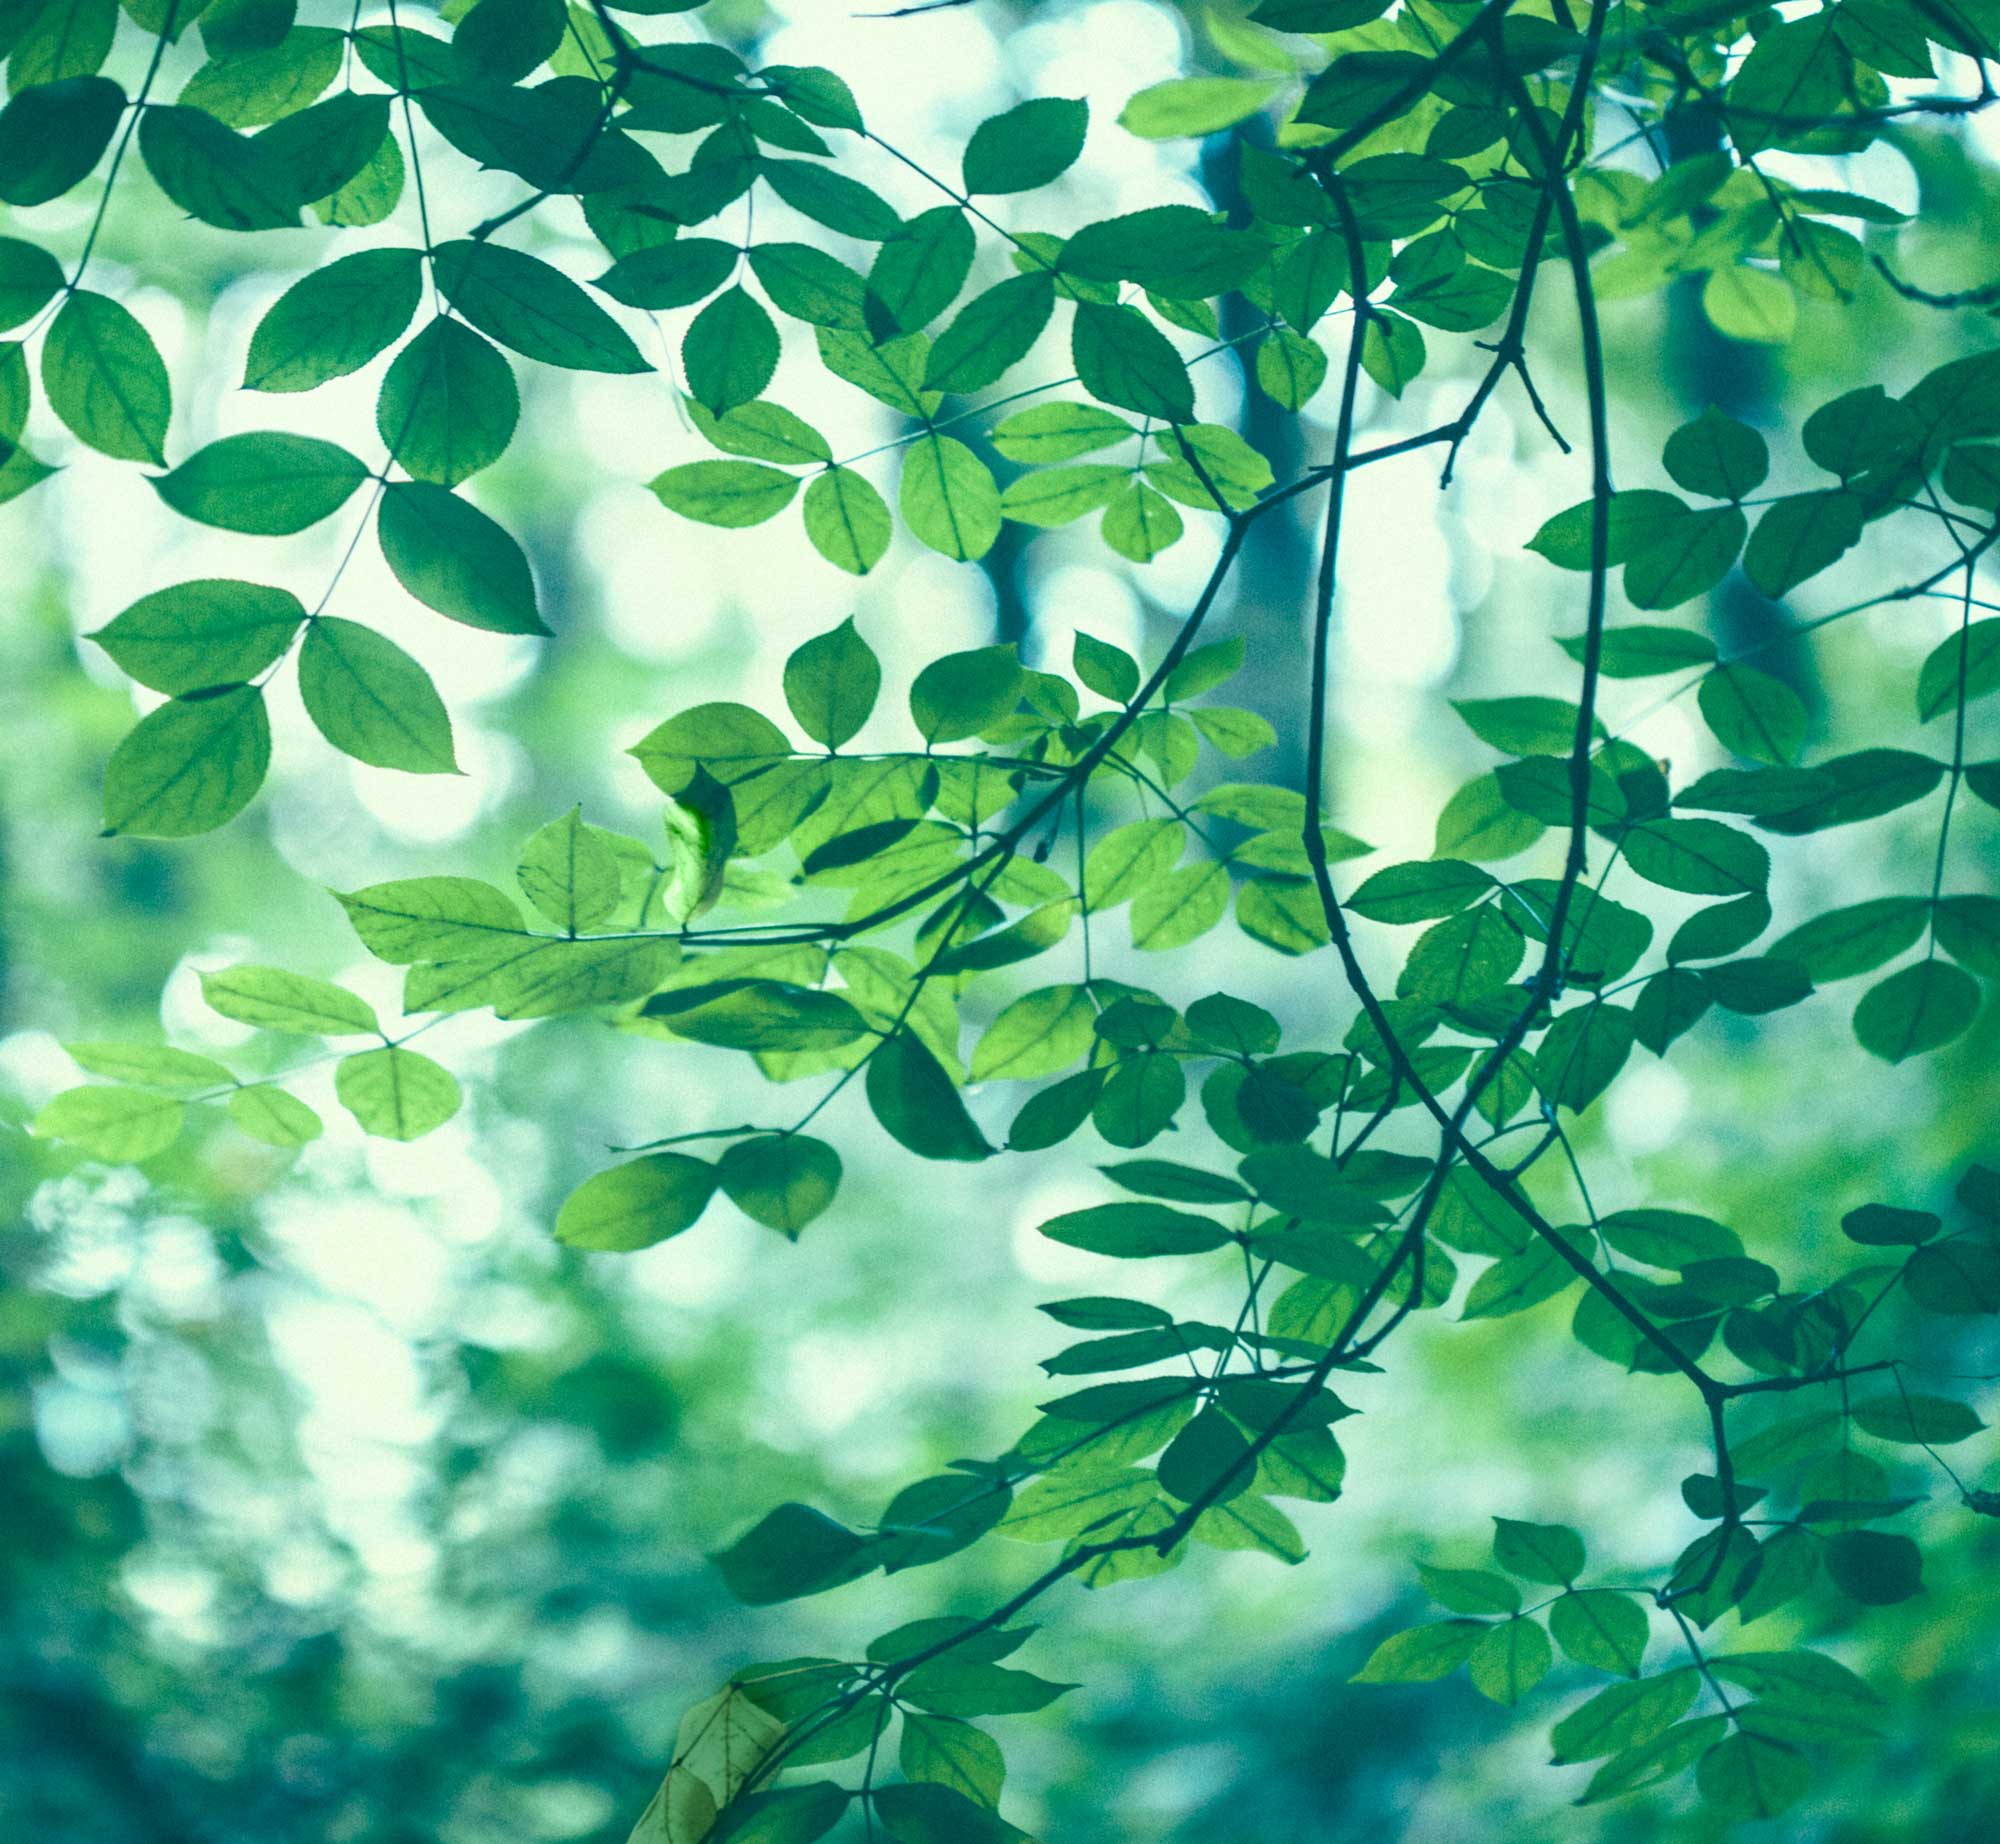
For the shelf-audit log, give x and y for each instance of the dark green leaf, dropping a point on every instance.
(1031, 144)
(372, 701)
(453, 558)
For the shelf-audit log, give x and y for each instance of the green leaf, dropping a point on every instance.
(915, 1101)
(432, 918)
(332, 321)
(948, 498)
(803, 282)
(918, 272)
(1194, 106)
(634, 1205)
(1800, 536)
(1058, 432)
(1717, 456)
(933, 1814)
(201, 634)
(274, 1000)
(1179, 907)
(1291, 368)
(535, 310)
(1920, 1009)
(1423, 1654)
(943, 1751)
(1517, 1283)
(1750, 304)
(453, 558)
(1601, 1629)
(254, 86)
(1582, 1052)
(189, 766)
(372, 701)
(1969, 659)
(1702, 857)
(831, 198)
(727, 493)
(1135, 1231)
(157, 1066)
(120, 1125)
(1748, 1775)
(268, 484)
(570, 873)
(1753, 714)
(1036, 1035)
(29, 278)
(991, 333)
(831, 682)
(763, 431)
(1643, 652)
(396, 1094)
(792, 1551)
(1623, 1716)
(448, 405)
(1905, 1416)
(53, 134)
(1028, 146)
(1419, 891)
(1139, 524)
(962, 694)
(1538, 1552)
(1478, 823)
(215, 174)
(1510, 1660)
(1209, 1455)
(1883, 1226)
(1669, 1238)
(1684, 559)
(1470, 1591)
(341, 143)
(1123, 359)
(1875, 1567)
(678, 274)
(105, 379)
(782, 1181)
(730, 351)
(267, 1113)
(847, 520)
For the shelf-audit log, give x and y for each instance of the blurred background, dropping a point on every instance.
(340, 1504)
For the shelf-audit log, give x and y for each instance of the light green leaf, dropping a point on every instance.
(949, 499)
(121, 1125)
(276, 1000)
(432, 918)
(847, 521)
(727, 493)
(189, 766)
(266, 1112)
(831, 683)
(570, 873)
(396, 1094)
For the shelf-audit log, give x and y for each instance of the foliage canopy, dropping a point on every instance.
(910, 921)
